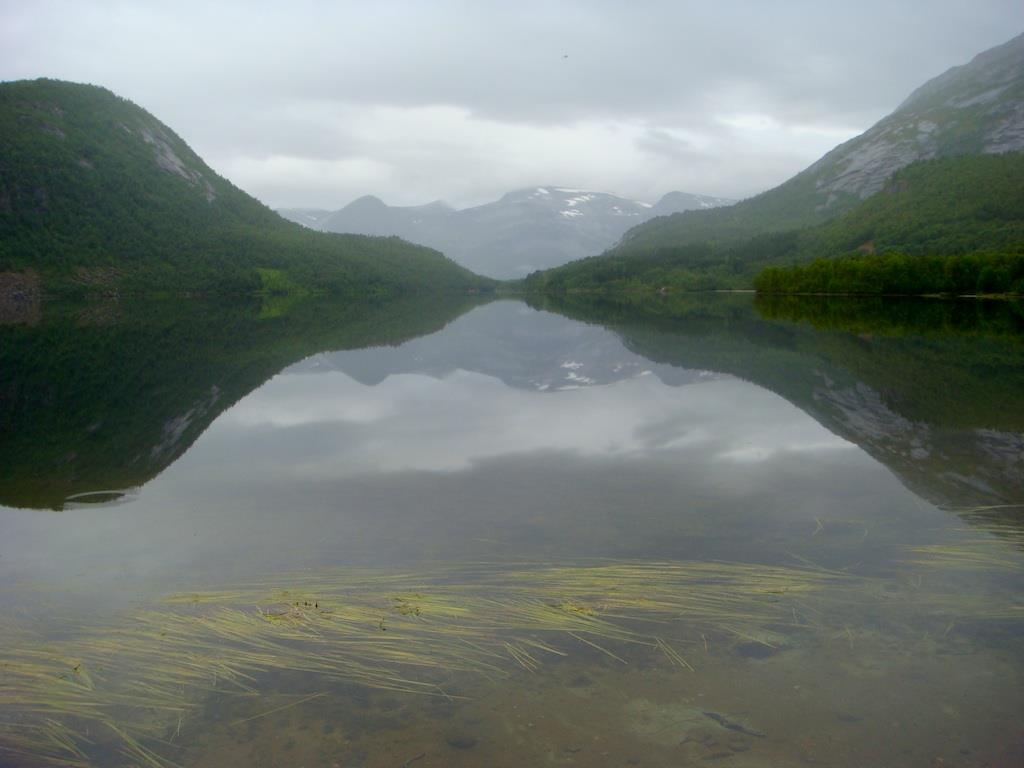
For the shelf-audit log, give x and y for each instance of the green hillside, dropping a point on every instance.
(97, 195)
(949, 206)
(970, 207)
(945, 226)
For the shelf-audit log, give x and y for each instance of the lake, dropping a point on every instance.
(705, 529)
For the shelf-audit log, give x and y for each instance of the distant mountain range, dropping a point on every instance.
(98, 196)
(970, 111)
(526, 230)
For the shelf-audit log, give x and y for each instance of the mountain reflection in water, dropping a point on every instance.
(502, 506)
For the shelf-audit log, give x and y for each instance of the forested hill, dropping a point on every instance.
(954, 225)
(96, 194)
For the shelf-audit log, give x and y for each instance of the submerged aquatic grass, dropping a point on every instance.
(128, 685)
(981, 554)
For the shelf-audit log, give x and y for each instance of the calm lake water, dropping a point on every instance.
(707, 530)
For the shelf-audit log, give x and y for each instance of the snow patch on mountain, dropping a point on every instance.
(572, 201)
(532, 228)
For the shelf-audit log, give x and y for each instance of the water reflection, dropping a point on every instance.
(937, 396)
(616, 518)
(107, 395)
(521, 427)
(322, 469)
(416, 423)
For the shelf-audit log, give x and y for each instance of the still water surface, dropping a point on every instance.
(495, 535)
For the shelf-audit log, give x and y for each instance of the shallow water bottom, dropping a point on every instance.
(856, 699)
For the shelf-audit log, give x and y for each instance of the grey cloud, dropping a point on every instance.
(265, 80)
(663, 144)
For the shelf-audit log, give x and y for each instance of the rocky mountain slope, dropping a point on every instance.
(526, 230)
(977, 108)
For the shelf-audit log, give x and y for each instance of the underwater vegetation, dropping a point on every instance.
(126, 684)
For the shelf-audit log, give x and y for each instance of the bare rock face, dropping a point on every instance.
(1008, 134)
(168, 159)
(952, 468)
(977, 108)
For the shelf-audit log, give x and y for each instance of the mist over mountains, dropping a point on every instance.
(526, 230)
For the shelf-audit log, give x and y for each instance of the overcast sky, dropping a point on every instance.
(316, 103)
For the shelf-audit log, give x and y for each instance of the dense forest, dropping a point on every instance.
(96, 195)
(899, 274)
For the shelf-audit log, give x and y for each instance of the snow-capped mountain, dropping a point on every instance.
(527, 229)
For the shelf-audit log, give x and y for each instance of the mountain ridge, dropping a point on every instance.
(525, 229)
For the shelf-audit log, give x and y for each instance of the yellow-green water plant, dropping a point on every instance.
(126, 684)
